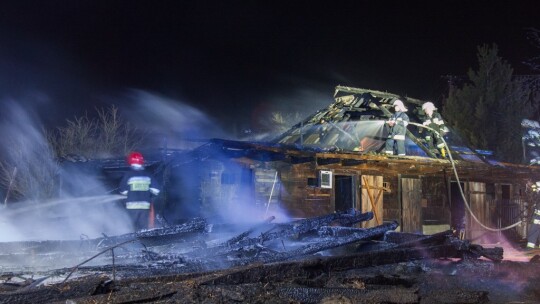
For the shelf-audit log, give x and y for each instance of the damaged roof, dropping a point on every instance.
(354, 122)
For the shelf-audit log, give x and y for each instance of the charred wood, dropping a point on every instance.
(87, 286)
(276, 272)
(327, 231)
(243, 235)
(464, 247)
(160, 235)
(149, 237)
(351, 219)
(306, 225)
(495, 254)
(271, 257)
(457, 296)
(351, 295)
(295, 228)
(411, 239)
(359, 235)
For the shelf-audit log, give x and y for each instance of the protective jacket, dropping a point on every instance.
(534, 230)
(401, 120)
(139, 186)
(396, 133)
(435, 122)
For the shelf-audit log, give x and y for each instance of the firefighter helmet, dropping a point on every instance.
(398, 103)
(135, 159)
(428, 106)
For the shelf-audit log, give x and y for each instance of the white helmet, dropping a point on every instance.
(398, 103)
(428, 106)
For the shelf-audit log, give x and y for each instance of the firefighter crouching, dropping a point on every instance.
(534, 227)
(139, 187)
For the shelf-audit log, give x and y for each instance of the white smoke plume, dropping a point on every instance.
(168, 121)
(45, 211)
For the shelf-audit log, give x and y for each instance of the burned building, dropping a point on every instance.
(333, 161)
(315, 173)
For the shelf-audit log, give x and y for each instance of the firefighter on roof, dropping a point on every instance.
(139, 187)
(397, 125)
(434, 120)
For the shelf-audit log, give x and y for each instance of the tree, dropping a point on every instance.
(30, 167)
(488, 109)
(533, 35)
(104, 136)
(28, 171)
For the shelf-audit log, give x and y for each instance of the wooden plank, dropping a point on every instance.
(477, 201)
(372, 199)
(411, 197)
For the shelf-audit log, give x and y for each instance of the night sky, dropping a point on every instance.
(231, 59)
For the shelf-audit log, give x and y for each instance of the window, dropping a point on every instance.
(312, 182)
(325, 178)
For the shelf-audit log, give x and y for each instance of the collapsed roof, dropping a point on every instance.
(354, 122)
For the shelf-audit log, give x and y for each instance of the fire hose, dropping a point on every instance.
(466, 203)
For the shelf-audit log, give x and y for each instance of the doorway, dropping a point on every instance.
(457, 207)
(344, 194)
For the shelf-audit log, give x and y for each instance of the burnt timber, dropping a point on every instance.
(408, 262)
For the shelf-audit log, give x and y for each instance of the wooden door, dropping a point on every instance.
(372, 199)
(478, 204)
(411, 202)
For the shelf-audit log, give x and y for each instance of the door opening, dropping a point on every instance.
(344, 196)
(457, 207)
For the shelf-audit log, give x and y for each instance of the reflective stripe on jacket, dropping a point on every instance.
(137, 205)
(401, 120)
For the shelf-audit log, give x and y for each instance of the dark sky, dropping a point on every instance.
(221, 56)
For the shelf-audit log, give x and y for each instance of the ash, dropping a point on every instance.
(327, 259)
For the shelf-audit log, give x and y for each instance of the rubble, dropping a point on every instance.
(317, 260)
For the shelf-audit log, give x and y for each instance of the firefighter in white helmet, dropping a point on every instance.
(434, 120)
(397, 128)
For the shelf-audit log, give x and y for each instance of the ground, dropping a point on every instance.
(418, 281)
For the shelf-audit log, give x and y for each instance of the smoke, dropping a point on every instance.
(281, 110)
(304, 101)
(169, 122)
(36, 177)
(226, 193)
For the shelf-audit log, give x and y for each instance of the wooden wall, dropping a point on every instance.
(299, 198)
(414, 201)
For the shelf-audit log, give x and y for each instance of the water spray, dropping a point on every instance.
(29, 206)
(466, 203)
(12, 178)
(271, 194)
(344, 132)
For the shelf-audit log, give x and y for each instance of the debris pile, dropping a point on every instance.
(315, 260)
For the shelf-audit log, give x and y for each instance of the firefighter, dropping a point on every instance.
(434, 120)
(533, 234)
(322, 129)
(397, 125)
(139, 187)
